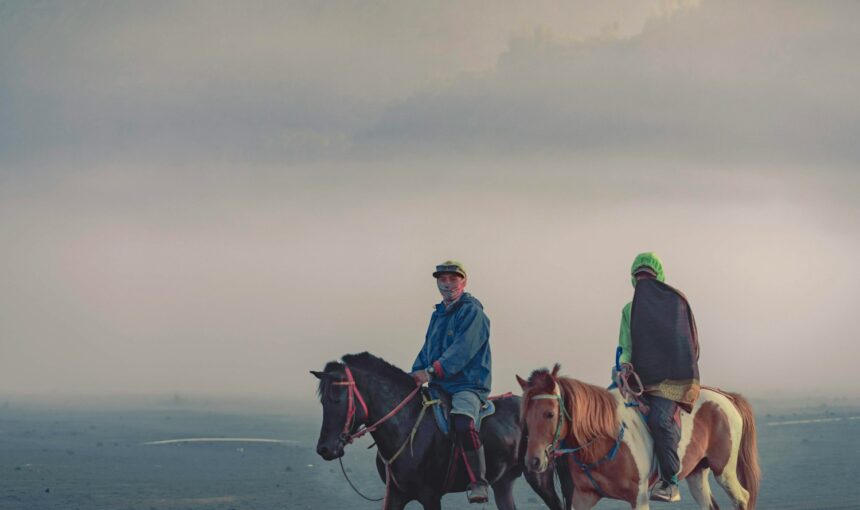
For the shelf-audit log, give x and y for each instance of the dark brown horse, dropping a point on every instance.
(609, 452)
(364, 390)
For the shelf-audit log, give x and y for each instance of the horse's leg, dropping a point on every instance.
(697, 481)
(584, 500)
(643, 496)
(431, 501)
(565, 481)
(503, 491)
(728, 480)
(542, 484)
(396, 500)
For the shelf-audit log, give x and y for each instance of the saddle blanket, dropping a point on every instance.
(442, 411)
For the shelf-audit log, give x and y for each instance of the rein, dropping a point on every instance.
(622, 380)
(347, 438)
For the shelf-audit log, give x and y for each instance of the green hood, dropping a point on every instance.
(649, 260)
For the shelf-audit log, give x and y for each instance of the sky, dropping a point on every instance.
(212, 198)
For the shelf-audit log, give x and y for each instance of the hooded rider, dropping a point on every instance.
(456, 359)
(658, 339)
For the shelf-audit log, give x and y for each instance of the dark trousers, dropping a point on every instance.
(467, 436)
(666, 434)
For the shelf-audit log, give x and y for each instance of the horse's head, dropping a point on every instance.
(543, 416)
(344, 409)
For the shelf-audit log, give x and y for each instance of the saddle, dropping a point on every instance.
(442, 411)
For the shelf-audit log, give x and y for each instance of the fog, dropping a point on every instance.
(212, 198)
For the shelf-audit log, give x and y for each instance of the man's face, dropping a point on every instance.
(450, 285)
(644, 275)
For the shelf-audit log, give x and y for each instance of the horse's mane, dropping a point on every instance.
(378, 366)
(322, 387)
(592, 408)
(366, 362)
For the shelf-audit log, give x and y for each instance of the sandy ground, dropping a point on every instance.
(95, 459)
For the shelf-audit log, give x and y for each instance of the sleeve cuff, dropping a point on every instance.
(437, 370)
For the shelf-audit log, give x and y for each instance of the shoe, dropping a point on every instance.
(478, 490)
(666, 492)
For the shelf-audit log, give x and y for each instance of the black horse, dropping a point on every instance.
(420, 472)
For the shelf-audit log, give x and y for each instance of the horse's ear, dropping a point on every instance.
(555, 370)
(319, 375)
(523, 383)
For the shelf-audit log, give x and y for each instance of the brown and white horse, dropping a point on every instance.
(609, 451)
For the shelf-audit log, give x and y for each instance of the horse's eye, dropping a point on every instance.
(549, 415)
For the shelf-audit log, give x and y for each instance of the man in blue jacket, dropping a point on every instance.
(456, 359)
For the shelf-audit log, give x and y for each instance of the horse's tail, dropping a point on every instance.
(748, 469)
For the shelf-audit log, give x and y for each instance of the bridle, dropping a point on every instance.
(352, 395)
(347, 436)
(551, 448)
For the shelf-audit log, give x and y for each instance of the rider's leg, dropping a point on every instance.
(465, 407)
(473, 451)
(666, 434)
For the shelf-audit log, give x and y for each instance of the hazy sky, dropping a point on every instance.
(216, 197)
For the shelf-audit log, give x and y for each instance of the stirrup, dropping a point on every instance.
(665, 492)
(482, 498)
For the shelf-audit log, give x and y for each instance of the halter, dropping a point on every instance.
(350, 409)
(348, 437)
(552, 451)
(551, 448)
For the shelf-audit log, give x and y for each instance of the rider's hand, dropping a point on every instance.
(625, 369)
(420, 377)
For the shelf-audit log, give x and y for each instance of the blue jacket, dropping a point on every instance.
(457, 346)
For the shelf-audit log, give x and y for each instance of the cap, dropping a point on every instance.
(450, 266)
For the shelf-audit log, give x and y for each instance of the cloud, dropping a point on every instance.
(724, 82)
(264, 81)
(718, 81)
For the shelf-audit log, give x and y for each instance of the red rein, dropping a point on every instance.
(351, 408)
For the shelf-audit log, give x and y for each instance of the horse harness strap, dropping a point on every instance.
(389, 475)
(562, 415)
(353, 395)
(554, 452)
(586, 468)
(351, 408)
(425, 404)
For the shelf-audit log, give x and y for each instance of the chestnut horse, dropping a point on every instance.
(609, 451)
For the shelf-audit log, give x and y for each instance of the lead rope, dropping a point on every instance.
(340, 459)
(623, 382)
